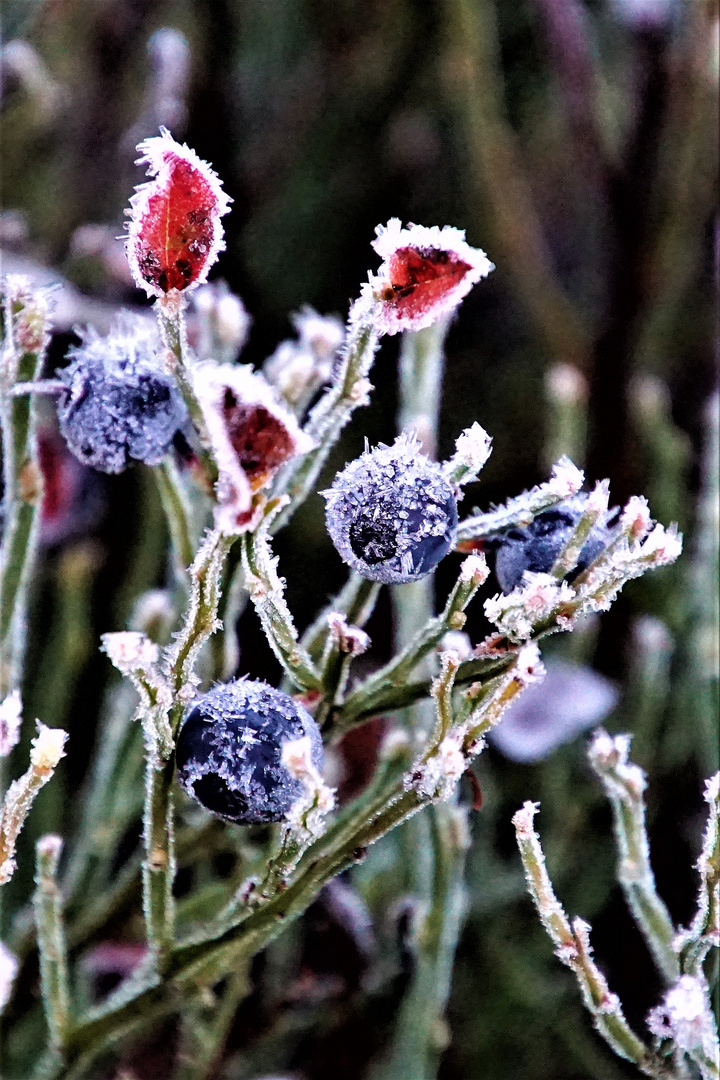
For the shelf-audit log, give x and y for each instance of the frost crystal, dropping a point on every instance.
(436, 778)
(538, 598)
(392, 513)
(230, 752)
(425, 274)
(117, 403)
(251, 433)
(10, 721)
(686, 1017)
(566, 479)
(175, 233)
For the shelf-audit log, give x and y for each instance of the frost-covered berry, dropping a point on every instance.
(117, 403)
(392, 513)
(536, 547)
(230, 751)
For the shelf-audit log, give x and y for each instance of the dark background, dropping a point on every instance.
(576, 143)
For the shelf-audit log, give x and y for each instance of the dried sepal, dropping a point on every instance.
(136, 657)
(685, 1015)
(537, 599)
(425, 274)
(251, 434)
(175, 233)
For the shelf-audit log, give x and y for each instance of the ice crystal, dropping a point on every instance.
(230, 751)
(425, 274)
(392, 513)
(175, 233)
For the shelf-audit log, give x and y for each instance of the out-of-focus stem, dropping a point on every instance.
(333, 411)
(624, 784)
(476, 74)
(26, 316)
(177, 515)
(420, 1034)
(206, 1027)
(51, 940)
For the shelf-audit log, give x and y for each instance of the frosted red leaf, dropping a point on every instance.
(425, 274)
(175, 232)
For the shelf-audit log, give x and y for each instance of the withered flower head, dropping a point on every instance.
(425, 274)
(251, 433)
(175, 232)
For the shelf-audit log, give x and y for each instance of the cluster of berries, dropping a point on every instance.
(392, 513)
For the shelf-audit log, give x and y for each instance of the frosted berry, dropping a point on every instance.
(229, 751)
(392, 513)
(536, 547)
(117, 404)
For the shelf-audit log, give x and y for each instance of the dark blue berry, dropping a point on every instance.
(118, 404)
(229, 751)
(392, 513)
(536, 547)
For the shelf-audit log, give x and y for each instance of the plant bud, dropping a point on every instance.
(425, 274)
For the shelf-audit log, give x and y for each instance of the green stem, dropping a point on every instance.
(51, 940)
(177, 515)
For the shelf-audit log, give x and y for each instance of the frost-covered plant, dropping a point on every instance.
(250, 448)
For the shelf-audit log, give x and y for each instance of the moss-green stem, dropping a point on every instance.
(51, 940)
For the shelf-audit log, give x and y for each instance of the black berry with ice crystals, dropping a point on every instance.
(392, 513)
(536, 547)
(117, 404)
(229, 751)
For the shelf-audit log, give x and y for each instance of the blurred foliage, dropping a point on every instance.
(577, 144)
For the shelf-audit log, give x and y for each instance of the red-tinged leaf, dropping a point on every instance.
(175, 230)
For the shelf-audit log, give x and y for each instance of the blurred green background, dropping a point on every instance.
(576, 143)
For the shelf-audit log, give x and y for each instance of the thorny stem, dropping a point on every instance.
(335, 408)
(624, 784)
(51, 940)
(572, 947)
(704, 933)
